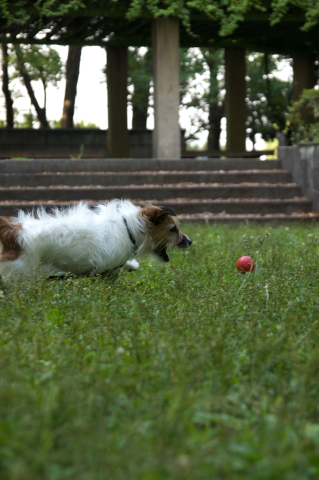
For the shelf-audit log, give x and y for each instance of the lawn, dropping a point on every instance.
(186, 371)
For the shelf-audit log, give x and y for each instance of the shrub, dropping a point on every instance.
(304, 117)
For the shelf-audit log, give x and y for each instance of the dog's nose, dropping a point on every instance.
(185, 242)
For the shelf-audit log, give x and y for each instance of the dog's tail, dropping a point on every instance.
(9, 232)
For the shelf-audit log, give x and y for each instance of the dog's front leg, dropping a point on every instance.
(131, 265)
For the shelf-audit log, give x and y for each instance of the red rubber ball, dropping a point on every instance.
(245, 264)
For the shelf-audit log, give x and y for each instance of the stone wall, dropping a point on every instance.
(303, 162)
(64, 143)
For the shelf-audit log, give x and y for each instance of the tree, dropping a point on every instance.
(71, 76)
(32, 63)
(92, 22)
(307, 107)
(5, 87)
(214, 60)
(194, 63)
(139, 78)
(268, 98)
(202, 90)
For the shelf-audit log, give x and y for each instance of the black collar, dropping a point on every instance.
(130, 234)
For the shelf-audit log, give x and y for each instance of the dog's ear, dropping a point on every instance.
(157, 215)
(167, 211)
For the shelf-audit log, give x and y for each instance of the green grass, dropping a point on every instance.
(168, 373)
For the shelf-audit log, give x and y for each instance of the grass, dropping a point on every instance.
(168, 373)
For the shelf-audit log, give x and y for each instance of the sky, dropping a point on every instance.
(91, 100)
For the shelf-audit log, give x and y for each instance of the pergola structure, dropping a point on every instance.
(106, 24)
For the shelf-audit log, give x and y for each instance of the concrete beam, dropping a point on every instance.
(235, 103)
(166, 135)
(118, 135)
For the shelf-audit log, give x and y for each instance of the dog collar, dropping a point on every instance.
(130, 234)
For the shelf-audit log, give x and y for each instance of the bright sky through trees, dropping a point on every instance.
(91, 101)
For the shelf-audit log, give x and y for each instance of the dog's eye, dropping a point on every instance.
(173, 229)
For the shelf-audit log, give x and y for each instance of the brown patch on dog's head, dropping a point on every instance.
(11, 250)
(163, 232)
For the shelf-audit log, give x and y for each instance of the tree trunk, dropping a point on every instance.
(72, 75)
(41, 113)
(140, 97)
(214, 118)
(139, 117)
(5, 86)
(216, 112)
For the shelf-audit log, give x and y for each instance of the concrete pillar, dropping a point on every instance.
(235, 103)
(304, 75)
(165, 42)
(118, 135)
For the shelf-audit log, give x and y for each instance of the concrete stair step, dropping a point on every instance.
(186, 207)
(212, 191)
(10, 210)
(239, 206)
(142, 178)
(136, 165)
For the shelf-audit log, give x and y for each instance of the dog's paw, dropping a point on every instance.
(131, 265)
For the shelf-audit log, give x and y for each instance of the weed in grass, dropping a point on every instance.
(177, 372)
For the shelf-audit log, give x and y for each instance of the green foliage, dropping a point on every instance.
(27, 122)
(139, 76)
(310, 9)
(194, 63)
(40, 63)
(214, 59)
(204, 98)
(178, 372)
(227, 12)
(80, 154)
(304, 117)
(267, 98)
(22, 11)
(82, 124)
(56, 123)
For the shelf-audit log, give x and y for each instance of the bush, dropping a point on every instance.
(303, 117)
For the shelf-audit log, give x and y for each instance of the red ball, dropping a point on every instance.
(245, 264)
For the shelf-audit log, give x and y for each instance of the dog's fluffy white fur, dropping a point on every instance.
(82, 240)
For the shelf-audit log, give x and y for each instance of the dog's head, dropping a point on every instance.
(163, 232)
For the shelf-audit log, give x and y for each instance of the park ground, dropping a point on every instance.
(185, 371)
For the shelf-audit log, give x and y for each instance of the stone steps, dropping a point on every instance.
(152, 192)
(73, 179)
(184, 207)
(136, 165)
(213, 190)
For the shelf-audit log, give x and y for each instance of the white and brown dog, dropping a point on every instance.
(87, 241)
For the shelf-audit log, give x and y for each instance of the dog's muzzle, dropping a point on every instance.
(185, 242)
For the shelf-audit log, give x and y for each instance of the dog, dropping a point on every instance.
(82, 240)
